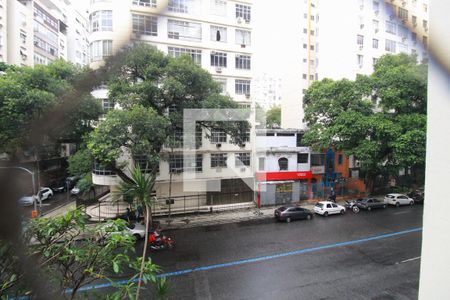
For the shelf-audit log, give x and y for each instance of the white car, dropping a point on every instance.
(326, 208)
(45, 193)
(27, 200)
(398, 199)
(75, 191)
(137, 230)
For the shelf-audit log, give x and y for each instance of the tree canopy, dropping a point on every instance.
(153, 90)
(380, 119)
(273, 117)
(27, 94)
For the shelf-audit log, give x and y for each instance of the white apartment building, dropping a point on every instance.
(341, 39)
(36, 32)
(217, 34)
(77, 37)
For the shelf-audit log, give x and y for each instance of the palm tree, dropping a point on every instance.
(139, 189)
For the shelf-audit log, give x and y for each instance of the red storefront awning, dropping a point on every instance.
(274, 176)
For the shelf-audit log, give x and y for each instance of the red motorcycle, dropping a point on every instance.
(157, 241)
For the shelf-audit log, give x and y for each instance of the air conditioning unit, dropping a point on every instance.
(243, 169)
(361, 26)
(247, 96)
(403, 3)
(376, 30)
(376, 12)
(218, 70)
(242, 45)
(404, 39)
(426, 29)
(360, 66)
(361, 7)
(218, 145)
(219, 170)
(415, 24)
(240, 20)
(360, 47)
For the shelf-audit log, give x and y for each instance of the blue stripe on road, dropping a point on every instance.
(262, 258)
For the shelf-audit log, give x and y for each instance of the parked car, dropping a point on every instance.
(27, 200)
(75, 191)
(292, 213)
(326, 208)
(45, 193)
(137, 230)
(398, 199)
(369, 203)
(417, 195)
(59, 186)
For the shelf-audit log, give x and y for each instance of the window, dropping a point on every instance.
(242, 159)
(425, 7)
(218, 136)
(403, 47)
(44, 31)
(101, 20)
(196, 55)
(148, 3)
(360, 59)
(305, 46)
(317, 159)
(43, 45)
(425, 41)
(219, 7)
(223, 84)
(425, 24)
(302, 158)
(176, 163)
(100, 49)
(218, 160)
(311, 77)
(40, 60)
(376, 25)
(374, 60)
(340, 159)
(305, 30)
(403, 31)
(144, 164)
(402, 14)
(181, 30)
(261, 163)
(218, 59)
(181, 6)
(390, 46)
(414, 20)
(243, 11)
(107, 104)
(390, 27)
(44, 17)
(375, 43)
(376, 5)
(243, 37)
(360, 40)
(218, 34)
(413, 36)
(243, 62)
(145, 25)
(242, 87)
(283, 163)
(99, 169)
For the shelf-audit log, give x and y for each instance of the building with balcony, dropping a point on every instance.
(34, 32)
(217, 34)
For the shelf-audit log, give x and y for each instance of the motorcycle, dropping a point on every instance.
(351, 205)
(158, 241)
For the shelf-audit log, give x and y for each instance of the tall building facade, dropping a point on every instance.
(217, 34)
(341, 39)
(36, 32)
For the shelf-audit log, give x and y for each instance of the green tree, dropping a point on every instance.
(273, 117)
(383, 138)
(28, 94)
(140, 189)
(80, 163)
(153, 90)
(69, 255)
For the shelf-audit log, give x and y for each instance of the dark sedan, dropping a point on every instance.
(370, 203)
(417, 195)
(291, 213)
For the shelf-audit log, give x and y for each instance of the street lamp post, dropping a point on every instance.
(33, 182)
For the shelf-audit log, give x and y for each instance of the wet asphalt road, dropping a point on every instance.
(387, 268)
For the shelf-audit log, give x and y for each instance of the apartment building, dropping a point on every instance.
(77, 37)
(344, 38)
(266, 90)
(35, 32)
(217, 34)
